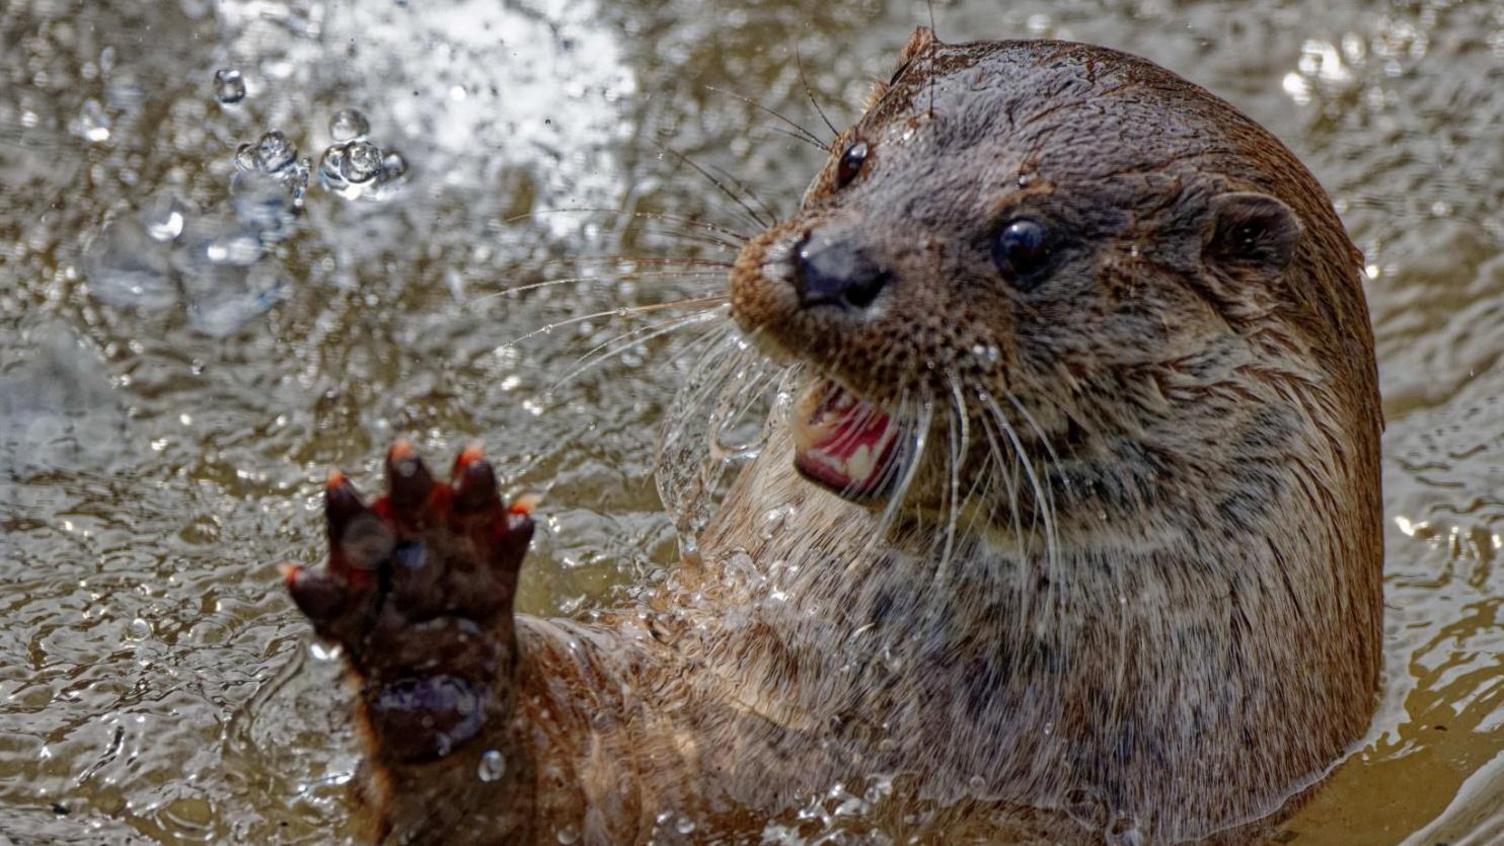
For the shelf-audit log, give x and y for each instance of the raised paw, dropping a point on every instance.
(418, 592)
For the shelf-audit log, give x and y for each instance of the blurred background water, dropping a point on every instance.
(243, 240)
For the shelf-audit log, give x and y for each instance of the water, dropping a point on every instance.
(186, 345)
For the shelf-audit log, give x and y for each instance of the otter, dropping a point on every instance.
(1079, 511)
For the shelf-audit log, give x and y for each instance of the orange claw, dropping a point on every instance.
(401, 449)
(409, 484)
(474, 451)
(524, 505)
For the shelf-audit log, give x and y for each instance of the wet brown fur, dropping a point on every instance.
(1199, 640)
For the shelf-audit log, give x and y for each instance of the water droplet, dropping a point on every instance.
(977, 784)
(295, 180)
(362, 161)
(775, 520)
(245, 157)
(987, 353)
(880, 788)
(360, 169)
(93, 122)
(229, 86)
(274, 152)
(163, 216)
(138, 629)
(685, 825)
(324, 651)
(332, 167)
(567, 835)
(393, 167)
(492, 766)
(348, 125)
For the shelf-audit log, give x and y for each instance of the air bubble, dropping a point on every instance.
(348, 125)
(229, 86)
(567, 835)
(138, 629)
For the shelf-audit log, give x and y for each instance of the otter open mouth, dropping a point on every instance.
(844, 442)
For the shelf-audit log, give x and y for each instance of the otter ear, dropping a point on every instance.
(922, 40)
(1251, 231)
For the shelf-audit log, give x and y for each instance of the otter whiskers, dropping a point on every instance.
(635, 338)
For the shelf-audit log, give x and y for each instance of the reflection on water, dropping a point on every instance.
(189, 337)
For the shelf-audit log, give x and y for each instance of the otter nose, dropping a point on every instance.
(834, 271)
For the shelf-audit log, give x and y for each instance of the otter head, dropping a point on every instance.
(1061, 270)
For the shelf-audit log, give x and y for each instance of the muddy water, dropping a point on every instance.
(188, 342)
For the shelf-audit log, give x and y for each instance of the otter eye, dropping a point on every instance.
(1022, 251)
(851, 164)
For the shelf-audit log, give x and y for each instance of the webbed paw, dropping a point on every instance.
(418, 592)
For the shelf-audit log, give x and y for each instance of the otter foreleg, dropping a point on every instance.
(418, 593)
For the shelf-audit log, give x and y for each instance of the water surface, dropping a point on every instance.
(189, 338)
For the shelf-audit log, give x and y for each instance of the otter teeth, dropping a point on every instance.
(859, 466)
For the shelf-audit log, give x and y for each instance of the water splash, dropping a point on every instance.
(354, 167)
(127, 268)
(273, 155)
(269, 154)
